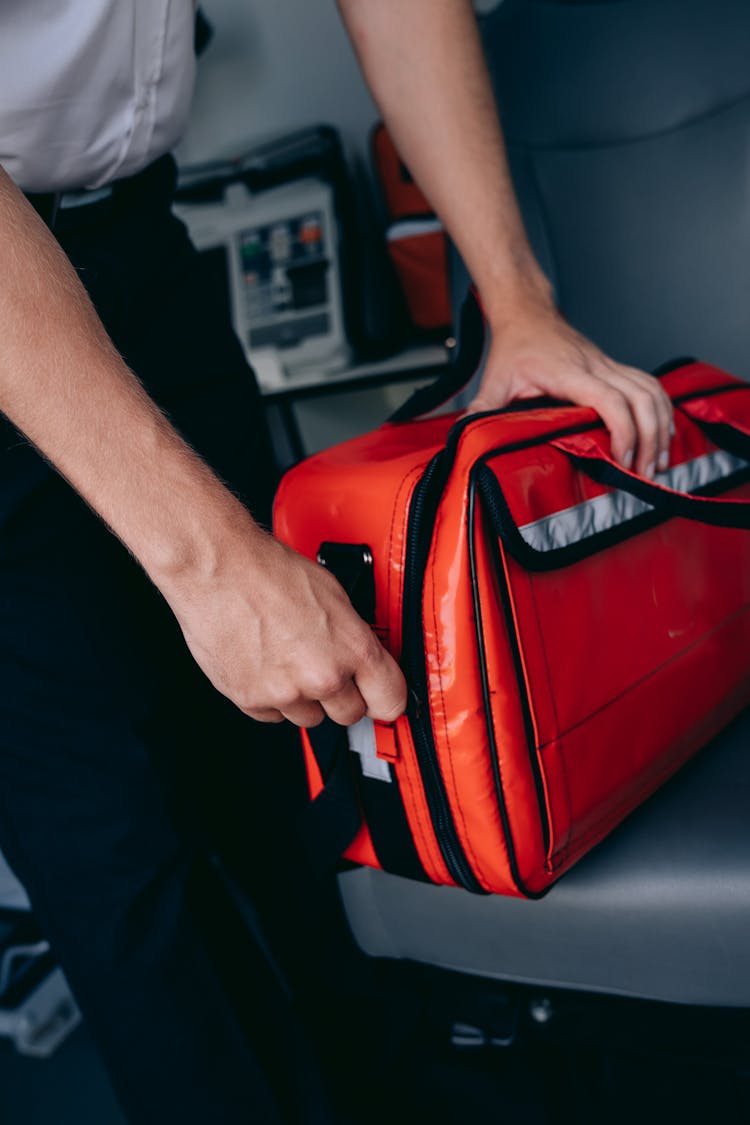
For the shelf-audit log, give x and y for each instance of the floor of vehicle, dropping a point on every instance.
(435, 1082)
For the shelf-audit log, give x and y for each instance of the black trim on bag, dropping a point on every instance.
(668, 504)
(522, 693)
(422, 510)
(456, 376)
(458, 428)
(330, 822)
(724, 435)
(557, 557)
(388, 826)
(673, 365)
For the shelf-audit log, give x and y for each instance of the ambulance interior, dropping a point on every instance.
(624, 992)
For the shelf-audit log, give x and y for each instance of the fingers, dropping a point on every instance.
(381, 685)
(383, 697)
(635, 409)
(264, 714)
(545, 356)
(307, 713)
(651, 411)
(346, 707)
(614, 409)
(633, 406)
(494, 398)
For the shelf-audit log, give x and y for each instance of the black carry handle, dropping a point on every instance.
(459, 373)
(593, 461)
(722, 430)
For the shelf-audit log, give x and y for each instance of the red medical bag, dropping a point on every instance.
(570, 632)
(415, 236)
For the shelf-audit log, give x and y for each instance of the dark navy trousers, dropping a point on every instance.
(123, 774)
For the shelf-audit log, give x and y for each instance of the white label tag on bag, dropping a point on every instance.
(362, 741)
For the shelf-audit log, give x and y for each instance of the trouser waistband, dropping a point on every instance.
(156, 183)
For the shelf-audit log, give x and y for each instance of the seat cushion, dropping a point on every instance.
(660, 910)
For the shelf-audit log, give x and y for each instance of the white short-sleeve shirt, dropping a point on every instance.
(91, 90)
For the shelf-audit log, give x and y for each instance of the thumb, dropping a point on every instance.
(492, 395)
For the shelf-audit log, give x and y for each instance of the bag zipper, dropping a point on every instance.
(421, 518)
(477, 500)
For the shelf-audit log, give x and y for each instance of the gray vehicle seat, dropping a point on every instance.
(629, 134)
(660, 910)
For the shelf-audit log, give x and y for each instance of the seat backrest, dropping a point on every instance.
(628, 129)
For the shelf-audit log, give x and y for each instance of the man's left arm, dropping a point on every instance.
(424, 63)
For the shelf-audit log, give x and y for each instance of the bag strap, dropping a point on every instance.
(329, 824)
(601, 467)
(723, 430)
(332, 820)
(458, 374)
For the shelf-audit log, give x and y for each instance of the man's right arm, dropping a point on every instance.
(272, 631)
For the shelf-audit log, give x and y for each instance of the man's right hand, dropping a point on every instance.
(272, 631)
(278, 636)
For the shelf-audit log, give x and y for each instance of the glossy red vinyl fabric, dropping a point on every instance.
(579, 643)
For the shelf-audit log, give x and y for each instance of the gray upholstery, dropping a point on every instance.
(629, 133)
(660, 910)
(628, 125)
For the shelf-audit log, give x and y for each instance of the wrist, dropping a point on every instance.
(207, 536)
(524, 295)
(189, 530)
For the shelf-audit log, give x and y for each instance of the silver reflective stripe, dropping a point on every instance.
(362, 741)
(571, 525)
(408, 228)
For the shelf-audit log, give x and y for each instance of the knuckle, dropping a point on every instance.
(264, 714)
(357, 713)
(613, 398)
(369, 651)
(335, 590)
(324, 683)
(648, 426)
(643, 394)
(347, 718)
(390, 712)
(282, 697)
(247, 703)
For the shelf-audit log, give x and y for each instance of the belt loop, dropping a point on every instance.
(46, 204)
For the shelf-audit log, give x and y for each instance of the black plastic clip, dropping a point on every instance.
(352, 565)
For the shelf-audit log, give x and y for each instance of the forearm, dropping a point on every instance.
(275, 633)
(65, 387)
(424, 63)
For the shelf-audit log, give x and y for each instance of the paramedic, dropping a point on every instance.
(122, 550)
